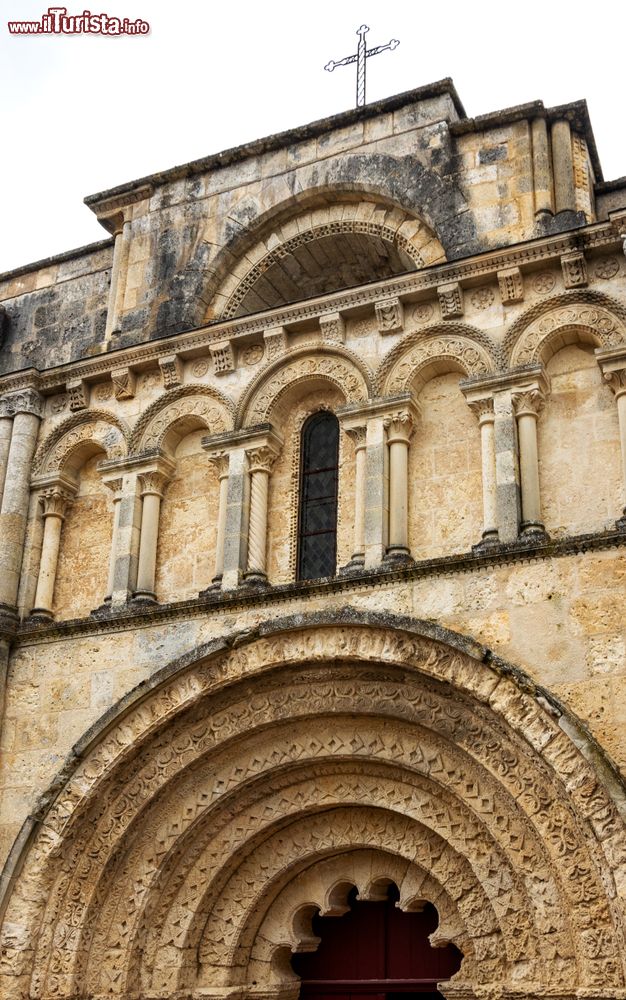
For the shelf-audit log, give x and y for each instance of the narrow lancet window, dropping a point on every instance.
(317, 524)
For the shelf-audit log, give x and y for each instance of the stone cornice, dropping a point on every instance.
(133, 617)
(412, 286)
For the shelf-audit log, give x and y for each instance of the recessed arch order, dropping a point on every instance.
(170, 855)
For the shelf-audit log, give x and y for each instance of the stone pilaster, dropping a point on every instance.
(528, 401)
(123, 482)
(359, 436)
(399, 426)
(55, 500)
(613, 366)
(260, 461)
(27, 409)
(376, 492)
(236, 519)
(563, 166)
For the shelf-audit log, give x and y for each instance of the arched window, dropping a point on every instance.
(317, 523)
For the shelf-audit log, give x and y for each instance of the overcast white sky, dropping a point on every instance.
(81, 114)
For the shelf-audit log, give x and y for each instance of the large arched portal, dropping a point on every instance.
(196, 832)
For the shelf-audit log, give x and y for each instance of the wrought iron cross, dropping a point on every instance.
(362, 53)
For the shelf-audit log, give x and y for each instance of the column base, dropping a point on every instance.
(8, 615)
(40, 615)
(144, 597)
(398, 555)
(214, 587)
(489, 542)
(533, 531)
(620, 524)
(356, 565)
(255, 578)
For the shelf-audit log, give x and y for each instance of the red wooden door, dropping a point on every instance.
(375, 952)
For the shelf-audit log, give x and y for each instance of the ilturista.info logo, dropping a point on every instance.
(57, 21)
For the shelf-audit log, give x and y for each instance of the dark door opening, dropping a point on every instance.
(375, 952)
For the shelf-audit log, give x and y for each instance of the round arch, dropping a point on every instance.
(268, 396)
(178, 412)
(434, 351)
(178, 827)
(78, 438)
(577, 316)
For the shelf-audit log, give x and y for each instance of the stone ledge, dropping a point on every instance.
(137, 615)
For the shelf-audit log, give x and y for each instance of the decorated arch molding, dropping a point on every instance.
(92, 429)
(178, 411)
(174, 853)
(281, 381)
(577, 316)
(415, 243)
(435, 350)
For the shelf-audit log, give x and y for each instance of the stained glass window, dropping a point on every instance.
(317, 527)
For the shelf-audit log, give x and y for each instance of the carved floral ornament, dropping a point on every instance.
(193, 402)
(93, 429)
(166, 861)
(534, 343)
(265, 394)
(458, 352)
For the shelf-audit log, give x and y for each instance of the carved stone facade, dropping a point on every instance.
(200, 751)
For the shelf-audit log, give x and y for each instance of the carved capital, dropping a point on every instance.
(275, 342)
(221, 460)
(153, 482)
(6, 411)
(78, 394)
(116, 486)
(55, 500)
(261, 459)
(616, 380)
(450, 300)
(358, 435)
(511, 285)
(574, 269)
(389, 315)
(483, 410)
(332, 327)
(171, 371)
(223, 357)
(528, 402)
(124, 382)
(27, 401)
(399, 426)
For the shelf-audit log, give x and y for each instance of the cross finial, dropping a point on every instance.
(359, 57)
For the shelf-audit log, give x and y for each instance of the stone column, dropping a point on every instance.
(399, 427)
(563, 167)
(376, 492)
(126, 533)
(118, 279)
(152, 484)
(6, 426)
(260, 461)
(55, 501)
(484, 411)
(220, 461)
(358, 435)
(542, 172)
(508, 500)
(616, 378)
(27, 407)
(528, 403)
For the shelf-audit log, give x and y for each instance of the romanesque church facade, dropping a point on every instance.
(313, 573)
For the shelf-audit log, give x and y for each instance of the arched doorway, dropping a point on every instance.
(375, 951)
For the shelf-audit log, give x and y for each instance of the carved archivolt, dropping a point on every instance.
(586, 316)
(92, 430)
(433, 351)
(298, 372)
(410, 236)
(186, 406)
(198, 833)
